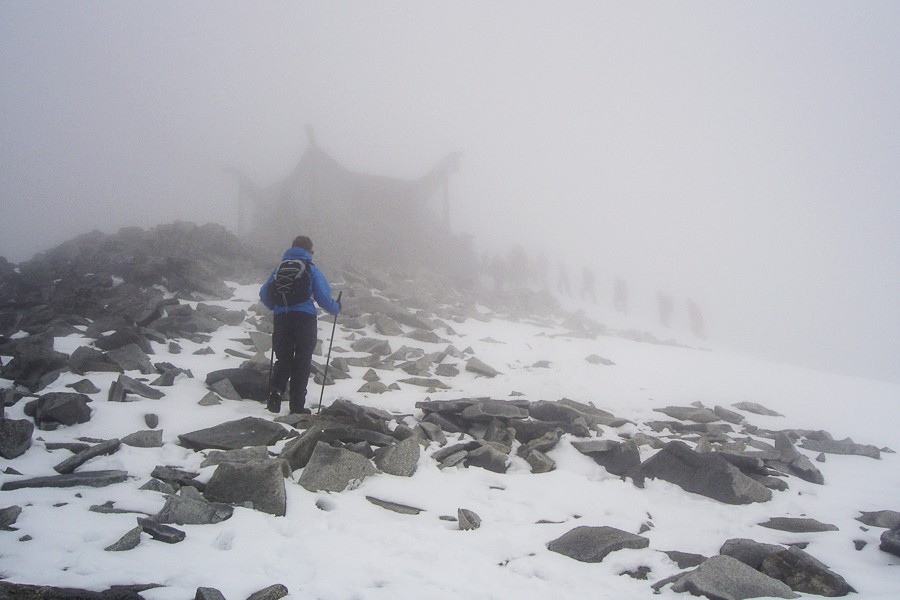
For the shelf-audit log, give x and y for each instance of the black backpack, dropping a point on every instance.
(292, 283)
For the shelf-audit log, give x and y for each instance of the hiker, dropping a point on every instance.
(296, 329)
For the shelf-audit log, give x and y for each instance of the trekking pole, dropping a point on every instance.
(328, 359)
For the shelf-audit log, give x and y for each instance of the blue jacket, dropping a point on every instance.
(320, 288)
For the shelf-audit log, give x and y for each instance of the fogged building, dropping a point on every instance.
(357, 218)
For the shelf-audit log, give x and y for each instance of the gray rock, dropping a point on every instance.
(468, 520)
(803, 573)
(757, 409)
(432, 432)
(478, 367)
(749, 552)
(540, 462)
(728, 415)
(210, 399)
(726, 578)
(595, 359)
(241, 455)
(86, 359)
(890, 541)
(249, 431)
(129, 541)
(399, 459)
(163, 533)
(619, 458)
(251, 384)
(690, 413)
(846, 446)
(705, 474)
(260, 483)
(133, 386)
(372, 346)
(426, 382)
(593, 544)
(798, 525)
(192, 509)
(148, 438)
(225, 389)
(487, 456)
(207, 593)
(15, 437)
(882, 518)
(553, 411)
(486, 410)
(63, 408)
(273, 592)
(9, 516)
(402, 509)
(334, 469)
(84, 478)
(373, 387)
(131, 358)
(84, 386)
(73, 462)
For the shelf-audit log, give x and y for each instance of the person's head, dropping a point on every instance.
(302, 241)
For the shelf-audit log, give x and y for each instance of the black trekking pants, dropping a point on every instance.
(293, 341)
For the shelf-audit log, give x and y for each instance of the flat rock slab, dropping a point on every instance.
(726, 578)
(593, 544)
(798, 525)
(249, 431)
(396, 507)
(85, 478)
(260, 482)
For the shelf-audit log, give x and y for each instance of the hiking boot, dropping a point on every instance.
(274, 403)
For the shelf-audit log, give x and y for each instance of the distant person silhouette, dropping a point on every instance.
(696, 318)
(666, 306)
(620, 295)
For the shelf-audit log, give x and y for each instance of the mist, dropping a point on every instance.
(743, 155)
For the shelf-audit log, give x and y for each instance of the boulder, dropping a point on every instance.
(803, 573)
(399, 459)
(705, 474)
(619, 458)
(881, 518)
(486, 410)
(798, 525)
(191, 508)
(261, 483)
(15, 437)
(726, 578)
(479, 367)
(61, 408)
(749, 552)
(251, 384)
(334, 469)
(593, 544)
(249, 431)
(890, 541)
(131, 358)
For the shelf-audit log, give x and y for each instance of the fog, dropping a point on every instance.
(740, 154)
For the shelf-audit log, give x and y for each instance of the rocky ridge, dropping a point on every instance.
(126, 308)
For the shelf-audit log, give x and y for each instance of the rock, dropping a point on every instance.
(62, 408)
(427, 382)
(690, 413)
(705, 474)
(372, 346)
(846, 446)
(30, 363)
(486, 410)
(540, 462)
(749, 552)
(15, 437)
(798, 525)
(468, 520)
(593, 544)
(882, 518)
(400, 459)
(129, 541)
(480, 368)
(163, 533)
(488, 457)
(176, 477)
(728, 415)
(123, 337)
(191, 508)
(148, 438)
(803, 573)
(9, 516)
(86, 359)
(225, 389)
(206, 593)
(260, 482)
(394, 506)
(249, 431)
(373, 387)
(241, 455)
(249, 383)
(890, 541)
(619, 458)
(595, 359)
(133, 386)
(273, 592)
(132, 358)
(21, 591)
(84, 386)
(73, 462)
(757, 409)
(334, 469)
(725, 578)
(83, 478)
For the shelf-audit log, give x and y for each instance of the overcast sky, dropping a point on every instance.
(744, 154)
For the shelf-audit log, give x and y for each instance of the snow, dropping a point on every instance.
(341, 546)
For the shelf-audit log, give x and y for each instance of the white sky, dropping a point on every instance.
(743, 154)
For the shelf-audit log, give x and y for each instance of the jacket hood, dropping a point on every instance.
(296, 253)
